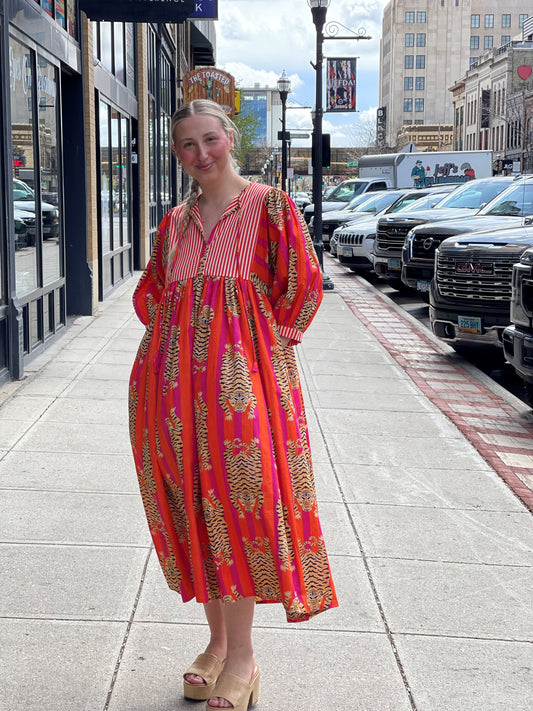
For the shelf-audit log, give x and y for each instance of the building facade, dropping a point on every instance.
(86, 171)
(492, 103)
(265, 104)
(427, 46)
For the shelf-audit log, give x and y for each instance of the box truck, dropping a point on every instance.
(423, 169)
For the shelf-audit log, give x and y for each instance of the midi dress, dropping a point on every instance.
(217, 420)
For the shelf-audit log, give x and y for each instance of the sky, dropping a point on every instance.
(258, 39)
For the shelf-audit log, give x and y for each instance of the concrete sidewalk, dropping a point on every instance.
(432, 552)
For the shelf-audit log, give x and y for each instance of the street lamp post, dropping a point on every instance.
(319, 10)
(284, 87)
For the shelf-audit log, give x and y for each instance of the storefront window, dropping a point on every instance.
(50, 176)
(24, 202)
(105, 180)
(115, 177)
(125, 181)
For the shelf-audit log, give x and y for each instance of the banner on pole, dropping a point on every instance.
(341, 84)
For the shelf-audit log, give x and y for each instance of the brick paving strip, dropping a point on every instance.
(497, 429)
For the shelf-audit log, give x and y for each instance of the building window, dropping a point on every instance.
(473, 62)
(421, 39)
(419, 104)
(114, 46)
(408, 83)
(521, 19)
(489, 20)
(421, 18)
(420, 83)
(409, 39)
(505, 39)
(506, 20)
(407, 105)
(420, 61)
(474, 20)
(63, 11)
(474, 42)
(488, 43)
(409, 61)
(409, 17)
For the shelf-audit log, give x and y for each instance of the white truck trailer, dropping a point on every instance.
(423, 169)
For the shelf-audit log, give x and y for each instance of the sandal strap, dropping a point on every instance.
(231, 687)
(208, 666)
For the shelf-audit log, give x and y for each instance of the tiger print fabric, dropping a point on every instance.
(217, 421)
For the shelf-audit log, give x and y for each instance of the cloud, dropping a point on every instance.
(258, 39)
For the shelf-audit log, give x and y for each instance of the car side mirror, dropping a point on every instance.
(528, 221)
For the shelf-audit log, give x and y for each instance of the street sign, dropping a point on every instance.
(298, 134)
(351, 165)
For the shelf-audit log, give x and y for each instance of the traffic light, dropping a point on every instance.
(326, 150)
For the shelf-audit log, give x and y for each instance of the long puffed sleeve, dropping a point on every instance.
(147, 295)
(297, 278)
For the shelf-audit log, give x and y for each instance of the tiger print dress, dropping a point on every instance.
(217, 421)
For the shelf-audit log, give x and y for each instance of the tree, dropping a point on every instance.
(248, 124)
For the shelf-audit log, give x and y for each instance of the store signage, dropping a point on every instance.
(205, 10)
(213, 84)
(138, 10)
(381, 125)
(341, 84)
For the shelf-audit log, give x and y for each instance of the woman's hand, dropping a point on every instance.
(284, 341)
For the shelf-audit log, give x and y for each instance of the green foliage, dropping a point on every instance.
(248, 124)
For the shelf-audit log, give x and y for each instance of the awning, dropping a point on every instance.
(138, 10)
(201, 48)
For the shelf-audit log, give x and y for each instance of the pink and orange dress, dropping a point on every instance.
(217, 421)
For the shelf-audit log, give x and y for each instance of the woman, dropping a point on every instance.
(217, 421)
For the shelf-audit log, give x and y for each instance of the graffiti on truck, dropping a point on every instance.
(424, 176)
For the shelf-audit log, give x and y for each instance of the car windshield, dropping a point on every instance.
(516, 202)
(358, 200)
(21, 191)
(346, 191)
(474, 194)
(423, 203)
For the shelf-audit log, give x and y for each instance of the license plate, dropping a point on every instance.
(394, 265)
(469, 324)
(422, 285)
(345, 251)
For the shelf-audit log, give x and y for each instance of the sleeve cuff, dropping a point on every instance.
(292, 334)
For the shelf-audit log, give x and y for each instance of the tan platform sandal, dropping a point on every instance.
(209, 667)
(235, 690)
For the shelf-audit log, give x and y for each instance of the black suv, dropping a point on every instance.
(518, 337)
(392, 231)
(470, 295)
(418, 255)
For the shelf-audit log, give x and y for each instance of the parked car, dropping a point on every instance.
(344, 192)
(470, 295)
(301, 199)
(24, 199)
(506, 209)
(360, 206)
(355, 241)
(518, 337)
(393, 230)
(24, 228)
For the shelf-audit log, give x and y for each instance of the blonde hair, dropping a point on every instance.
(193, 108)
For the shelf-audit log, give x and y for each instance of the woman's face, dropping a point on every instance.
(203, 148)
